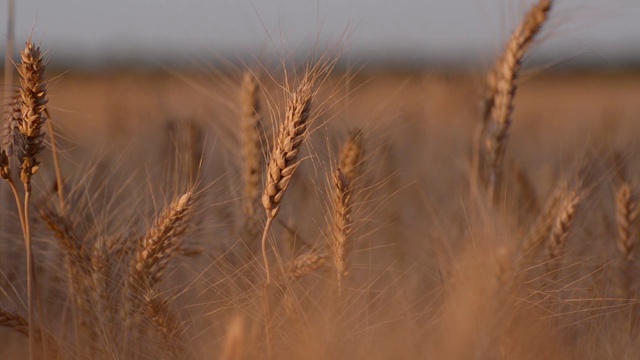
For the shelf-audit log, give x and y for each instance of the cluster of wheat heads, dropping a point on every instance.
(292, 266)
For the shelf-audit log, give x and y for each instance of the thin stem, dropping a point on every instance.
(265, 234)
(265, 290)
(31, 283)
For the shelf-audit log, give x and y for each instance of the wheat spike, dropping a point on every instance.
(161, 243)
(342, 224)
(251, 142)
(562, 225)
(502, 88)
(165, 324)
(283, 161)
(304, 265)
(351, 155)
(626, 214)
(33, 102)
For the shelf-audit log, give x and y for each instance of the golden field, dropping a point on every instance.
(314, 213)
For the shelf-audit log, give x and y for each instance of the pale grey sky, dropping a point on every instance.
(596, 29)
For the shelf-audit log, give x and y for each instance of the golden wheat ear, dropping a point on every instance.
(252, 135)
(501, 89)
(283, 160)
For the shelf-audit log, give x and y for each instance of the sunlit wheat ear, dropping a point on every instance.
(304, 265)
(251, 142)
(28, 143)
(33, 102)
(152, 256)
(626, 215)
(283, 160)
(343, 177)
(561, 227)
(252, 135)
(351, 155)
(342, 225)
(542, 227)
(501, 91)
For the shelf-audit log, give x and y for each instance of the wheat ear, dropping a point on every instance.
(561, 227)
(252, 138)
(626, 214)
(304, 265)
(251, 142)
(343, 178)
(626, 225)
(283, 161)
(501, 91)
(164, 322)
(157, 248)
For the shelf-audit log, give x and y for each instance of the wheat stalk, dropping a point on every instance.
(251, 150)
(343, 177)
(561, 227)
(157, 248)
(27, 145)
(283, 161)
(501, 84)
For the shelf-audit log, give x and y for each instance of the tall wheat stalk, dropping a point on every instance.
(501, 89)
(343, 178)
(283, 161)
(24, 141)
(252, 136)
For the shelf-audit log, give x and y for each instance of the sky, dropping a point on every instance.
(606, 31)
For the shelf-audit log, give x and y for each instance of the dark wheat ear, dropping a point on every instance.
(33, 102)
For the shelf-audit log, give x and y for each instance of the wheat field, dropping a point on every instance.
(315, 212)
